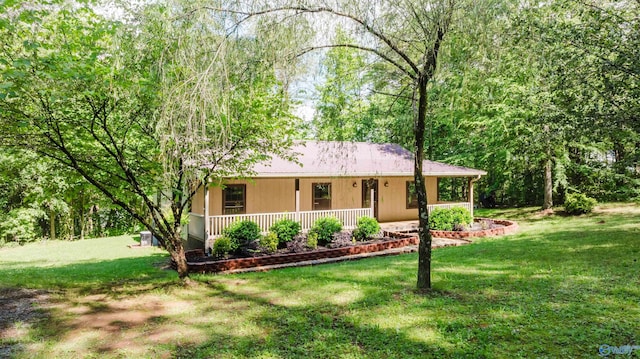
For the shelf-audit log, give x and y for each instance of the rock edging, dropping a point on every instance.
(509, 227)
(226, 265)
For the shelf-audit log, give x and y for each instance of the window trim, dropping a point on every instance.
(410, 205)
(244, 198)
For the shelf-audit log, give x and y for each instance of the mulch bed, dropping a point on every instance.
(199, 263)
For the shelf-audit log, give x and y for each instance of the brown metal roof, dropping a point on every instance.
(355, 159)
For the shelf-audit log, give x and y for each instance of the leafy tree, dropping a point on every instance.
(406, 37)
(340, 110)
(140, 109)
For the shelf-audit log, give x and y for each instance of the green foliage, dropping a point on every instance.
(441, 219)
(285, 229)
(242, 233)
(366, 228)
(224, 245)
(269, 242)
(340, 111)
(19, 225)
(312, 240)
(448, 219)
(130, 106)
(461, 215)
(578, 203)
(324, 228)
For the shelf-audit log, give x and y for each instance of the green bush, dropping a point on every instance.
(461, 216)
(269, 242)
(312, 240)
(444, 219)
(242, 233)
(285, 230)
(366, 228)
(441, 219)
(324, 228)
(578, 203)
(223, 246)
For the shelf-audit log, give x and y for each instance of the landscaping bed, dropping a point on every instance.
(491, 227)
(198, 263)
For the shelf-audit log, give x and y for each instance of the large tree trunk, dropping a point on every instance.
(178, 256)
(424, 248)
(52, 224)
(548, 185)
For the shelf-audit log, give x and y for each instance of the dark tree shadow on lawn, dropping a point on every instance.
(316, 331)
(542, 295)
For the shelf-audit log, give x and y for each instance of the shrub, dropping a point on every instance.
(342, 239)
(298, 244)
(578, 203)
(223, 246)
(444, 219)
(461, 216)
(269, 242)
(366, 228)
(324, 228)
(242, 233)
(285, 230)
(312, 241)
(441, 219)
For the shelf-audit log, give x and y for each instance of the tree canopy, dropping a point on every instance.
(145, 111)
(115, 121)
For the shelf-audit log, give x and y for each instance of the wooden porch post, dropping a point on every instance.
(297, 199)
(207, 230)
(472, 180)
(372, 203)
(471, 195)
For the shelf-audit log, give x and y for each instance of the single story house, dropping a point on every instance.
(342, 179)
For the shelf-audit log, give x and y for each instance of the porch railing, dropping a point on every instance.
(466, 205)
(348, 217)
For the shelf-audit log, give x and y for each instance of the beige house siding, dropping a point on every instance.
(197, 202)
(343, 194)
(268, 195)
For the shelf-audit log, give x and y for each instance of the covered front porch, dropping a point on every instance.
(207, 228)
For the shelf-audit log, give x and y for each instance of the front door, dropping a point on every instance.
(367, 186)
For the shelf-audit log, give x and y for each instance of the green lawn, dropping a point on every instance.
(559, 288)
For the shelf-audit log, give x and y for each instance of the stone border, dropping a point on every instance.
(509, 227)
(226, 265)
(400, 239)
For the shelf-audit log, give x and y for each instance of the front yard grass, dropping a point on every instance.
(560, 287)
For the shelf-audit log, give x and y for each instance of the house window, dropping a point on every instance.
(321, 196)
(234, 199)
(412, 197)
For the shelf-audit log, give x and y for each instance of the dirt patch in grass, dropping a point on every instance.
(18, 311)
(624, 208)
(119, 326)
